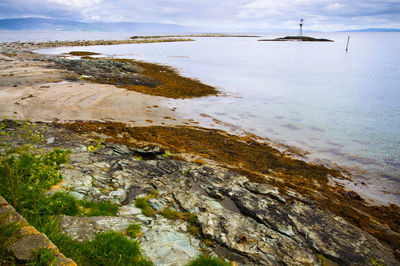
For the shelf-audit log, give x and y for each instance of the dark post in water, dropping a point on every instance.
(347, 45)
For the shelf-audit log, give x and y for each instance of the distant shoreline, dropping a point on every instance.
(296, 38)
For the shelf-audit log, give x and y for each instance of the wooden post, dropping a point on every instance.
(347, 46)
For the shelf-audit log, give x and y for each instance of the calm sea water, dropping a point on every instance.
(343, 107)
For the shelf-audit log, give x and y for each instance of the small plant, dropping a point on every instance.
(143, 204)
(171, 214)
(376, 262)
(194, 230)
(58, 203)
(208, 261)
(209, 242)
(190, 218)
(112, 248)
(322, 258)
(92, 208)
(98, 146)
(149, 212)
(154, 194)
(26, 176)
(167, 154)
(133, 230)
(44, 257)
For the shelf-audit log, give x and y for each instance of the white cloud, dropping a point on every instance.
(76, 3)
(318, 14)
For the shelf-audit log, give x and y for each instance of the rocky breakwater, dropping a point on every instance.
(143, 77)
(243, 221)
(36, 45)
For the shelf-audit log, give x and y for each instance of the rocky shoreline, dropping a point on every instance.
(240, 220)
(252, 203)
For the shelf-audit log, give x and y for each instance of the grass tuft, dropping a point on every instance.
(43, 257)
(133, 230)
(26, 174)
(208, 261)
(113, 248)
(171, 214)
(143, 204)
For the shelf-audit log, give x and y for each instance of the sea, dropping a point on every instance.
(342, 107)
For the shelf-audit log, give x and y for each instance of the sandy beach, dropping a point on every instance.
(30, 90)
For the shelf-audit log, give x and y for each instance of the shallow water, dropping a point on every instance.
(343, 107)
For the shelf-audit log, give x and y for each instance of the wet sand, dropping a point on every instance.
(30, 90)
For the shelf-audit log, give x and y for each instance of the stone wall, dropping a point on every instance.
(27, 238)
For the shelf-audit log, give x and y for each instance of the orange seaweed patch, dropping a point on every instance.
(172, 85)
(82, 53)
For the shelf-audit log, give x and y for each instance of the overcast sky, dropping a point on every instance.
(324, 15)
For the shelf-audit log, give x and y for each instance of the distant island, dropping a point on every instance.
(48, 24)
(44, 24)
(296, 38)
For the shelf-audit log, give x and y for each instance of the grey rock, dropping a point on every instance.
(75, 180)
(23, 248)
(119, 195)
(156, 204)
(254, 223)
(264, 209)
(85, 228)
(106, 71)
(245, 235)
(77, 195)
(129, 210)
(153, 149)
(165, 246)
(121, 149)
(264, 189)
(145, 219)
(336, 238)
(80, 148)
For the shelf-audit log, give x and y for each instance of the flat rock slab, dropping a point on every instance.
(168, 247)
(22, 249)
(85, 228)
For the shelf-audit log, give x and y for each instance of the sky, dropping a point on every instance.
(321, 15)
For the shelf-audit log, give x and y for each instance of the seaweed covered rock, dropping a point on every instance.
(107, 71)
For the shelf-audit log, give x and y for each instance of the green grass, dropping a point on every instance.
(110, 248)
(103, 208)
(376, 262)
(133, 230)
(154, 194)
(143, 204)
(113, 248)
(194, 230)
(208, 261)
(190, 218)
(26, 174)
(64, 203)
(44, 257)
(171, 214)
